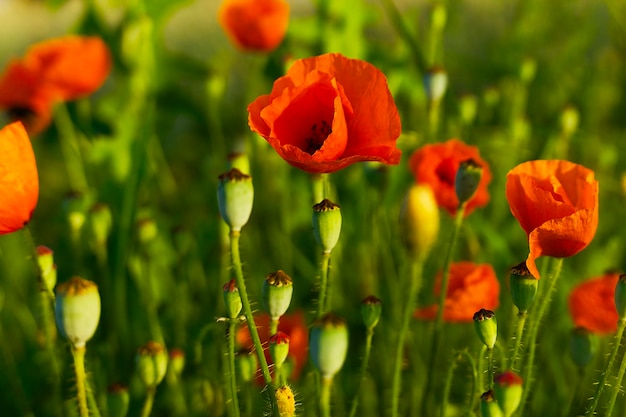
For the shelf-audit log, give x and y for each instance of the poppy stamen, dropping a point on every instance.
(317, 138)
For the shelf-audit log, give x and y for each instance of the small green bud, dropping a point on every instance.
(371, 308)
(468, 108)
(419, 220)
(569, 120)
(438, 16)
(620, 297)
(235, 195)
(523, 287)
(100, 223)
(151, 362)
(117, 400)
(75, 209)
(176, 360)
(467, 180)
(232, 299)
(247, 365)
(279, 348)
(45, 259)
(488, 405)
(508, 391)
(327, 224)
(486, 327)
(528, 69)
(147, 230)
(328, 344)
(77, 310)
(240, 161)
(583, 346)
(435, 84)
(277, 293)
(183, 240)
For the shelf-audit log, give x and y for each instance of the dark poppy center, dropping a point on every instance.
(445, 172)
(21, 113)
(319, 133)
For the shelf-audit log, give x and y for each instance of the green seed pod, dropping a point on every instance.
(117, 400)
(232, 299)
(247, 365)
(147, 230)
(77, 310)
(277, 293)
(328, 344)
(279, 348)
(327, 224)
(435, 84)
(45, 259)
(75, 205)
(419, 221)
(371, 308)
(467, 180)
(176, 360)
(468, 108)
(583, 346)
(523, 287)
(620, 297)
(508, 392)
(569, 120)
(488, 405)
(528, 69)
(100, 223)
(235, 195)
(151, 362)
(486, 327)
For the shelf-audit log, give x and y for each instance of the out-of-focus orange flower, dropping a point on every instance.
(329, 112)
(255, 25)
(60, 69)
(470, 287)
(19, 183)
(592, 304)
(293, 325)
(556, 203)
(437, 165)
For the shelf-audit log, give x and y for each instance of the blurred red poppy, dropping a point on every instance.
(293, 325)
(592, 304)
(329, 112)
(255, 25)
(19, 182)
(470, 287)
(60, 69)
(556, 203)
(437, 165)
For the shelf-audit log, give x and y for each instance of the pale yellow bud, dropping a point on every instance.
(419, 220)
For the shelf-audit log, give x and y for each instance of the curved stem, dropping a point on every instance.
(232, 326)
(521, 321)
(608, 369)
(148, 402)
(324, 303)
(364, 362)
(78, 353)
(243, 293)
(416, 280)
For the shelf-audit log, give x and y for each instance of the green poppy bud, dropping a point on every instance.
(235, 195)
(279, 348)
(419, 220)
(45, 259)
(100, 223)
(77, 310)
(488, 405)
(508, 392)
(620, 297)
(486, 327)
(468, 108)
(232, 299)
(176, 360)
(151, 362)
(247, 365)
(277, 293)
(569, 120)
(467, 180)
(328, 344)
(147, 230)
(583, 346)
(523, 287)
(117, 400)
(528, 69)
(371, 308)
(327, 224)
(75, 205)
(438, 17)
(435, 84)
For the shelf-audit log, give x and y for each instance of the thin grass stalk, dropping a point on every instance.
(363, 370)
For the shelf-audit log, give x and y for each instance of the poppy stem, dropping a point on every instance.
(542, 309)
(327, 383)
(405, 34)
(324, 303)
(79, 368)
(146, 409)
(521, 322)
(258, 347)
(232, 327)
(609, 367)
(616, 388)
(76, 176)
(414, 285)
(363, 370)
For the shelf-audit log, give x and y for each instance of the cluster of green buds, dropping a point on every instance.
(326, 224)
(419, 221)
(48, 269)
(328, 344)
(117, 400)
(467, 180)
(486, 327)
(277, 294)
(235, 195)
(523, 287)
(77, 310)
(151, 362)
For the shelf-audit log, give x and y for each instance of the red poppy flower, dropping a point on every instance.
(19, 183)
(293, 325)
(592, 304)
(56, 70)
(470, 288)
(329, 112)
(556, 203)
(437, 165)
(255, 25)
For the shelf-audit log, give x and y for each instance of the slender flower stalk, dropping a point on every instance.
(76, 175)
(78, 353)
(232, 328)
(324, 303)
(616, 389)
(362, 371)
(521, 322)
(326, 222)
(148, 402)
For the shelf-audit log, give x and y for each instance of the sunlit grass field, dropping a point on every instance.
(526, 80)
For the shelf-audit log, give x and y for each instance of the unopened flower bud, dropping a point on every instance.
(468, 108)
(77, 310)
(486, 327)
(247, 364)
(279, 348)
(371, 308)
(285, 401)
(117, 400)
(327, 224)
(528, 69)
(45, 259)
(328, 344)
(488, 405)
(419, 220)
(176, 360)
(147, 230)
(435, 84)
(523, 287)
(508, 391)
(620, 297)
(100, 223)
(438, 17)
(569, 120)
(277, 293)
(232, 299)
(583, 346)
(235, 195)
(467, 180)
(75, 209)
(151, 362)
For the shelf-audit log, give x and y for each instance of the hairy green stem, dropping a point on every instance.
(490, 368)
(481, 371)
(363, 370)
(324, 303)
(521, 322)
(78, 353)
(232, 327)
(618, 385)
